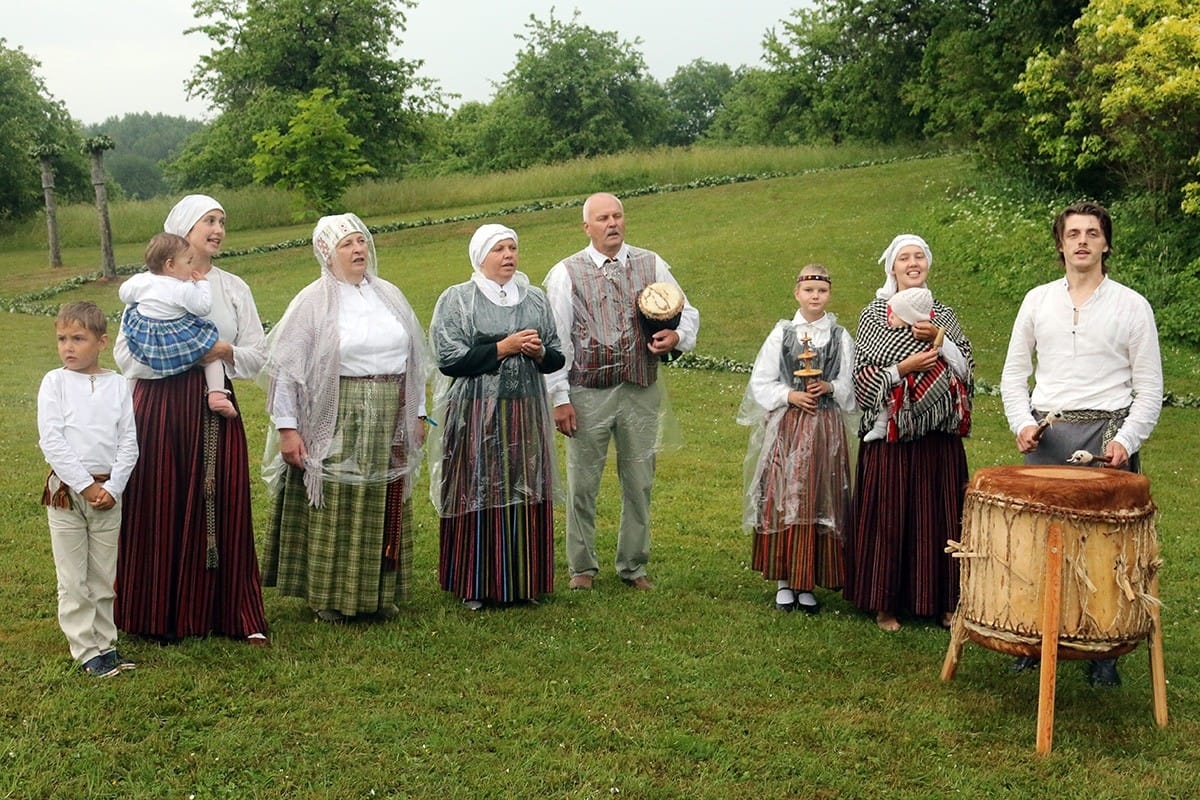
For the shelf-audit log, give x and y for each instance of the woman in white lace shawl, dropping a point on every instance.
(346, 399)
(912, 472)
(492, 473)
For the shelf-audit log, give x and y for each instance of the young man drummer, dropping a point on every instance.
(1098, 365)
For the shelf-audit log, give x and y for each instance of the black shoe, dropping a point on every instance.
(101, 667)
(782, 603)
(1023, 663)
(1103, 672)
(121, 662)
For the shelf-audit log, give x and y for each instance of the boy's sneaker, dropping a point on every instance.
(121, 662)
(101, 667)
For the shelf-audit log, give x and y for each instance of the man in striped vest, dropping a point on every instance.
(608, 388)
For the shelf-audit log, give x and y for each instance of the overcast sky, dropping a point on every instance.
(112, 58)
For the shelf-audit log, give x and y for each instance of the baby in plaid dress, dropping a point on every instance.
(163, 323)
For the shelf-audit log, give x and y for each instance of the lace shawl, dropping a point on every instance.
(303, 350)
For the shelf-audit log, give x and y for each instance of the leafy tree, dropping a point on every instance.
(970, 67)
(844, 67)
(1121, 106)
(219, 154)
(32, 122)
(317, 157)
(453, 141)
(268, 54)
(694, 94)
(572, 92)
(757, 109)
(143, 142)
(896, 70)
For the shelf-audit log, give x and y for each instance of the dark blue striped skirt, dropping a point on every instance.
(500, 550)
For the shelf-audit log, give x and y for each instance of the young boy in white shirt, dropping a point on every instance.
(87, 435)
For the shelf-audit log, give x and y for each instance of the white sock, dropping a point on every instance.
(806, 599)
(784, 596)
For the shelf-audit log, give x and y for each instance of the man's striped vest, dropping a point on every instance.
(610, 347)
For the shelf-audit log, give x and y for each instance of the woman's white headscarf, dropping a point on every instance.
(188, 211)
(331, 230)
(482, 242)
(888, 259)
(304, 351)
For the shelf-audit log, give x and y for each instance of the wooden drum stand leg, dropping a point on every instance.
(1158, 676)
(958, 635)
(1051, 609)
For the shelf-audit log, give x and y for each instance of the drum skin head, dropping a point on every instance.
(1066, 487)
(660, 301)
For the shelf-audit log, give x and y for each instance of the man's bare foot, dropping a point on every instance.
(947, 619)
(887, 621)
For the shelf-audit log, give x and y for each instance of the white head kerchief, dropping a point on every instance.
(888, 259)
(912, 305)
(188, 211)
(331, 230)
(482, 242)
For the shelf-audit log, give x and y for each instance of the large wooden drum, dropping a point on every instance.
(1109, 559)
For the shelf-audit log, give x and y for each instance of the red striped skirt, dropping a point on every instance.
(908, 501)
(176, 576)
(497, 542)
(803, 500)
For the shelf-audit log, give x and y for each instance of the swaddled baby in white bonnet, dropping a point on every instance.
(909, 307)
(906, 307)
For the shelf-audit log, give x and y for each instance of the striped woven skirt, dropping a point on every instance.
(177, 575)
(354, 553)
(804, 502)
(908, 502)
(502, 551)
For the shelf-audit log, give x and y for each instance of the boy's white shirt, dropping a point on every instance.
(86, 427)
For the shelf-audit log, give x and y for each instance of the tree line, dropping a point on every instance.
(1099, 98)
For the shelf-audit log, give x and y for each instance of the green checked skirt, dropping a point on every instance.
(354, 554)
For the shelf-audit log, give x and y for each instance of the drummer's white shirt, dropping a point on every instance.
(1109, 360)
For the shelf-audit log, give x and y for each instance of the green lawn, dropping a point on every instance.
(698, 689)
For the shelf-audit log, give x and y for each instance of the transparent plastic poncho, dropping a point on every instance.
(493, 445)
(799, 465)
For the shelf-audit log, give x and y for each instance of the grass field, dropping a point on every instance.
(698, 689)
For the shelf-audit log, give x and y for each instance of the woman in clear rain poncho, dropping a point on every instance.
(492, 458)
(346, 400)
